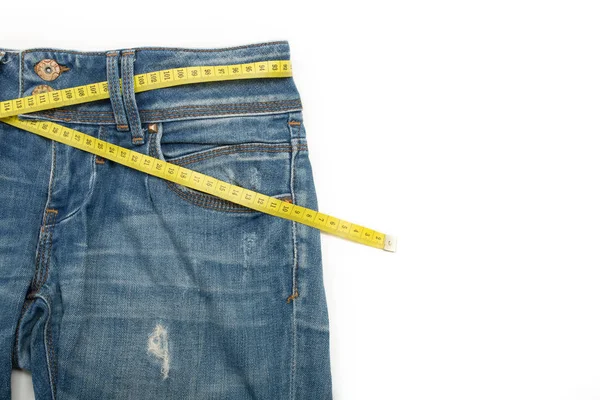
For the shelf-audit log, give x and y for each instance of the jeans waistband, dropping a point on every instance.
(27, 71)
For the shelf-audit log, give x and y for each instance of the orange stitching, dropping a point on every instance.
(44, 220)
(242, 148)
(293, 296)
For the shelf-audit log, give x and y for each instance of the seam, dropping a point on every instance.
(161, 117)
(38, 256)
(241, 148)
(44, 237)
(294, 276)
(216, 203)
(254, 104)
(20, 74)
(158, 118)
(201, 199)
(128, 90)
(251, 105)
(51, 361)
(156, 115)
(208, 50)
(115, 93)
(91, 188)
(47, 254)
(126, 97)
(26, 304)
(113, 90)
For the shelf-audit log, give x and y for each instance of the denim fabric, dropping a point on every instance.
(115, 284)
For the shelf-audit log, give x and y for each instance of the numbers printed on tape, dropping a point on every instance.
(144, 82)
(172, 172)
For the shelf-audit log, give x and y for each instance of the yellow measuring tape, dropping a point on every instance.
(172, 172)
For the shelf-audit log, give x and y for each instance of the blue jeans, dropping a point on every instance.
(115, 284)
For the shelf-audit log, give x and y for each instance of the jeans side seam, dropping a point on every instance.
(21, 72)
(294, 275)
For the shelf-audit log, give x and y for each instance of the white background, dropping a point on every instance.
(470, 130)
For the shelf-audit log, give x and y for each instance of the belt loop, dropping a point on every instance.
(114, 90)
(137, 131)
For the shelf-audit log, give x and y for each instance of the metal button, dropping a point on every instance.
(49, 70)
(41, 89)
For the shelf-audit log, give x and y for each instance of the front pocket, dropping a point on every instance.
(263, 167)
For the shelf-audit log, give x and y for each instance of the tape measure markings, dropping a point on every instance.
(144, 82)
(206, 183)
(175, 173)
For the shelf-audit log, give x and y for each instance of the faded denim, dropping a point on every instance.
(115, 284)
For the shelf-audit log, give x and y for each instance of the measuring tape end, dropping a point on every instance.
(390, 243)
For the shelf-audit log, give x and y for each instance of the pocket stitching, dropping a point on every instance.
(217, 203)
(207, 200)
(236, 148)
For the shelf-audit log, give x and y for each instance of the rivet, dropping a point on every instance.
(152, 128)
(41, 89)
(49, 70)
